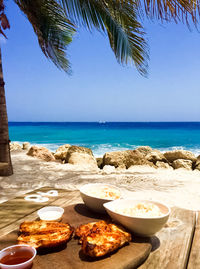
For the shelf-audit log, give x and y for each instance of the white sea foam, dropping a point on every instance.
(101, 149)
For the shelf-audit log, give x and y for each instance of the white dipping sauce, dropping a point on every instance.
(50, 215)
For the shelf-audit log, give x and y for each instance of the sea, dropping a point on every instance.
(103, 136)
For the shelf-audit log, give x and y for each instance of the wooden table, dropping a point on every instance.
(176, 246)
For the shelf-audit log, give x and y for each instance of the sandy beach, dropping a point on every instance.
(178, 187)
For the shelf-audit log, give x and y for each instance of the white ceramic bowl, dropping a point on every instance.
(51, 213)
(17, 251)
(93, 202)
(143, 226)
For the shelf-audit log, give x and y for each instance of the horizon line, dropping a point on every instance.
(103, 122)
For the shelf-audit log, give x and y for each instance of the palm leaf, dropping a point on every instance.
(53, 29)
(186, 11)
(118, 21)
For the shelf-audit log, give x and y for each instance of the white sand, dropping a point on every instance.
(175, 187)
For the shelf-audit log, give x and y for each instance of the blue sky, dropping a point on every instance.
(100, 88)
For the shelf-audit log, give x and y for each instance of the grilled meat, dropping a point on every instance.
(85, 229)
(101, 238)
(45, 234)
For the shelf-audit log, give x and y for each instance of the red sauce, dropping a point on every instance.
(17, 257)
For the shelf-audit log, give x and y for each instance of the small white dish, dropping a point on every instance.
(51, 213)
(143, 226)
(17, 257)
(94, 201)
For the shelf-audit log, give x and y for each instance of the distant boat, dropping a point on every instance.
(102, 122)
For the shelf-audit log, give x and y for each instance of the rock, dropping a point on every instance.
(84, 160)
(125, 159)
(108, 169)
(83, 150)
(155, 155)
(197, 164)
(81, 156)
(116, 158)
(197, 167)
(198, 160)
(144, 150)
(26, 145)
(179, 154)
(180, 163)
(61, 153)
(15, 147)
(160, 164)
(41, 153)
(99, 162)
(135, 157)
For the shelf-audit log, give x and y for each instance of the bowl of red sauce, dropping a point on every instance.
(17, 257)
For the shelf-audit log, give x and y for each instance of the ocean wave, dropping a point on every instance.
(100, 149)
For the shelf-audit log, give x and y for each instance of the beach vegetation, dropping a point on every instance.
(56, 21)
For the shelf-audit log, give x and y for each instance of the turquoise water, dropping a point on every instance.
(109, 136)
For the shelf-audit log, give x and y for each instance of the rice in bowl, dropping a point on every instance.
(142, 210)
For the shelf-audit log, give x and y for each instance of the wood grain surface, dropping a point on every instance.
(71, 257)
(15, 211)
(194, 259)
(171, 246)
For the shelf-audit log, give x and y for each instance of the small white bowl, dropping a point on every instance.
(17, 251)
(95, 203)
(51, 213)
(143, 226)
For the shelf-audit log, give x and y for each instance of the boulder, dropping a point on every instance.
(26, 145)
(197, 164)
(198, 161)
(99, 162)
(160, 164)
(180, 163)
(125, 159)
(41, 153)
(84, 160)
(135, 157)
(61, 152)
(144, 150)
(15, 147)
(179, 154)
(78, 149)
(197, 167)
(81, 156)
(116, 158)
(156, 156)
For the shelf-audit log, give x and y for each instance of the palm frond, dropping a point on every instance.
(119, 21)
(186, 11)
(126, 14)
(53, 29)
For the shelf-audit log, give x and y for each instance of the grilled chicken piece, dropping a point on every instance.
(85, 229)
(42, 227)
(44, 234)
(101, 238)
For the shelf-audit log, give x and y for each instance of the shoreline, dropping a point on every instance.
(178, 187)
(53, 146)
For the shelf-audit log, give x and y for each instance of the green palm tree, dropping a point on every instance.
(55, 22)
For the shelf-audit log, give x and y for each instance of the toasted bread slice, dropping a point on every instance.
(102, 238)
(44, 234)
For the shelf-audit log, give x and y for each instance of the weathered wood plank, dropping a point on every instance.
(17, 208)
(67, 198)
(172, 244)
(194, 259)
